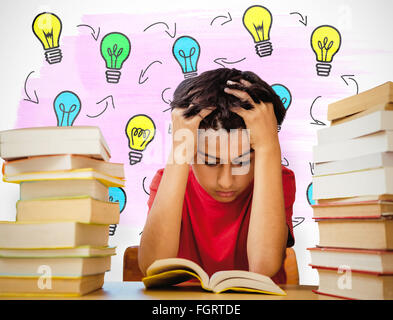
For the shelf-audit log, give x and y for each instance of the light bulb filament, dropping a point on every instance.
(139, 132)
(259, 29)
(114, 53)
(322, 47)
(183, 55)
(68, 112)
(49, 38)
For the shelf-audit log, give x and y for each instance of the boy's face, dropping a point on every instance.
(224, 163)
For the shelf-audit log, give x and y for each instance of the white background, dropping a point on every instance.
(368, 22)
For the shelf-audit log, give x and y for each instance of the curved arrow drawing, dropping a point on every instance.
(285, 162)
(106, 106)
(230, 19)
(162, 96)
(297, 220)
(144, 71)
(303, 19)
(167, 109)
(317, 122)
(172, 36)
(223, 60)
(95, 37)
(350, 75)
(36, 101)
(143, 186)
(311, 167)
(167, 102)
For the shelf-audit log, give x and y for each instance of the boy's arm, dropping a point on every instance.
(160, 237)
(268, 231)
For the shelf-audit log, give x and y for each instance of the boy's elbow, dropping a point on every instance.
(142, 269)
(265, 269)
(142, 264)
(266, 266)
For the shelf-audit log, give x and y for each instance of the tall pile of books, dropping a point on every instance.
(353, 186)
(58, 244)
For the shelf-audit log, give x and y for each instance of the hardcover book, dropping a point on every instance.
(380, 95)
(27, 142)
(78, 209)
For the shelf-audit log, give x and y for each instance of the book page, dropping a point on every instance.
(248, 285)
(163, 265)
(170, 277)
(220, 276)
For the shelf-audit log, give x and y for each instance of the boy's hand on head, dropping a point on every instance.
(260, 120)
(185, 134)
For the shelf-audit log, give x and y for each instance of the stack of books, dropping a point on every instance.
(58, 244)
(353, 187)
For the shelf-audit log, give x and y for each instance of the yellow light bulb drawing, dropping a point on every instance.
(47, 28)
(140, 131)
(325, 41)
(258, 21)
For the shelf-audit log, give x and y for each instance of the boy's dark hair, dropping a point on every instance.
(207, 89)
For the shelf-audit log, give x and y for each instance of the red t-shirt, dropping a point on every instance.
(213, 233)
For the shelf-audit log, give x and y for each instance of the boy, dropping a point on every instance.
(200, 207)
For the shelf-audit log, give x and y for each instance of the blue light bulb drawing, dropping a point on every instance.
(117, 194)
(67, 107)
(310, 200)
(186, 51)
(285, 95)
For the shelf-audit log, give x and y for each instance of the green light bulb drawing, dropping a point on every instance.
(115, 49)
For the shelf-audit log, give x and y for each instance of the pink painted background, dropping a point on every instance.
(82, 71)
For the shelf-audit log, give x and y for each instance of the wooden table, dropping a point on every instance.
(136, 291)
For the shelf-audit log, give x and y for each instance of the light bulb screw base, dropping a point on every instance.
(264, 48)
(53, 55)
(323, 69)
(135, 157)
(112, 229)
(112, 76)
(190, 75)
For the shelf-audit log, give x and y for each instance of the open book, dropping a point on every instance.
(166, 272)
